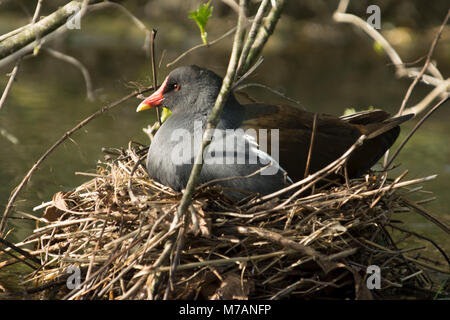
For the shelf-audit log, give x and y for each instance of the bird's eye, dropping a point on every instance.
(176, 86)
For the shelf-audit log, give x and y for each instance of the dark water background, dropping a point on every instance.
(326, 66)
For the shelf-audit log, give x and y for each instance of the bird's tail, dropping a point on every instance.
(375, 129)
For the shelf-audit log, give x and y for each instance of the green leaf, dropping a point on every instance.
(349, 111)
(201, 17)
(166, 113)
(378, 48)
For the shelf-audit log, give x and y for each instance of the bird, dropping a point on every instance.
(190, 92)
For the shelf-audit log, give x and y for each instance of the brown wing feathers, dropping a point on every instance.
(333, 136)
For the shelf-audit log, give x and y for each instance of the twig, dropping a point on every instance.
(219, 262)
(233, 5)
(53, 147)
(20, 251)
(340, 15)
(268, 88)
(247, 74)
(214, 116)
(22, 42)
(211, 123)
(127, 12)
(424, 238)
(155, 78)
(264, 32)
(181, 56)
(13, 32)
(12, 77)
(426, 214)
(39, 29)
(417, 126)
(425, 66)
(441, 90)
(319, 173)
(75, 62)
(251, 36)
(311, 144)
(215, 181)
(13, 73)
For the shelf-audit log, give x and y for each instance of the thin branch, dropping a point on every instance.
(251, 36)
(341, 16)
(425, 66)
(13, 32)
(181, 56)
(26, 254)
(427, 215)
(15, 70)
(233, 5)
(11, 138)
(37, 11)
(317, 174)
(311, 144)
(214, 117)
(155, 79)
(39, 29)
(66, 135)
(417, 126)
(247, 74)
(12, 77)
(75, 62)
(127, 12)
(270, 89)
(401, 71)
(22, 42)
(441, 90)
(424, 238)
(264, 32)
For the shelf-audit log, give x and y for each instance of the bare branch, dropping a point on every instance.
(66, 135)
(434, 79)
(15, 70)
(214, 117)
(73, 61)
(14, 32)
(233, 5)
(341, 16)
(155, 79)
(12, 77)
(127, 12)
(270, 89)
(251, 36)
(425, 66)
(23, 40)
(417, 126)
(264, 32)
(40, 29)
(441, 90)
(181, 56)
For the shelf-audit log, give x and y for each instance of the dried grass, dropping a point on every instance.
(119, 229)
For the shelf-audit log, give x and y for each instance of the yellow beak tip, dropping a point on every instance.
(142, 107)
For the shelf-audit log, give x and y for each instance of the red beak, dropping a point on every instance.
(155, 99)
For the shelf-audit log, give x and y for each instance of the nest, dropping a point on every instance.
(118, 236)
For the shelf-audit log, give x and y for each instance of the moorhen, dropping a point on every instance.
(190, 93)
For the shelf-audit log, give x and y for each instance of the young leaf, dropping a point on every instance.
(378, 48)
(201, 17)
(165, 114)
(349, 111)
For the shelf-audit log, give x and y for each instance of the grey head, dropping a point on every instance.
(191, 89)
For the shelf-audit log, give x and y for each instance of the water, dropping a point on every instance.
(327, 74)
